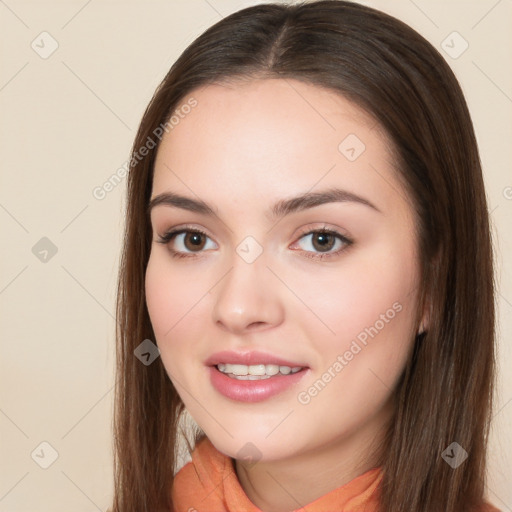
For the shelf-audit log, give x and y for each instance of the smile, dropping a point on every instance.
(254, 388)
(256, 371)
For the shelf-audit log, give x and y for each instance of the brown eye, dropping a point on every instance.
(194, 241)
(323, 241)
(187, 242)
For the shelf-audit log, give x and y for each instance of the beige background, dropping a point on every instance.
(67, 123)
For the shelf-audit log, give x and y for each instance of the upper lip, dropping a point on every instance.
(248, 359)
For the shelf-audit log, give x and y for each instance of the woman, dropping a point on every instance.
(307, 243)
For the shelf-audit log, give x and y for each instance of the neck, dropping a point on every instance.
(293, 483)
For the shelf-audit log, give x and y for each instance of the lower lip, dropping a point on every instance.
(253, 390)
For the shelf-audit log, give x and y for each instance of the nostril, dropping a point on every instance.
(256, 324)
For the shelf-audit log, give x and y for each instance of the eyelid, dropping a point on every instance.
(347, 240)
(314, 228)
(171, 233)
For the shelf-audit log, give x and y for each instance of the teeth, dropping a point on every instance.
(255, 371)
(248, 377)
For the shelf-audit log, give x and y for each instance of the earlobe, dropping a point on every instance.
(429, 294)
(425, 320)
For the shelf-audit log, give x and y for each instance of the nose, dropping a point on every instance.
(247, 298)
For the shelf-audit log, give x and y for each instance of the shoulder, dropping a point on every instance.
(487, 507)
(205, 459)
(199, 481)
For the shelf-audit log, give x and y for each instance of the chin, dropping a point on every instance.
(253, 444)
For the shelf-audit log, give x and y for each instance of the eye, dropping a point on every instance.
(319, 244)
(185, 242)
(327, 242)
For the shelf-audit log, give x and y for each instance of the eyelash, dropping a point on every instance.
(169, 235)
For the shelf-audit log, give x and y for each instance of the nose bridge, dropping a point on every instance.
(247, 296)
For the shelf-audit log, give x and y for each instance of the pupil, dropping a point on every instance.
(324, 240)
(195, 239)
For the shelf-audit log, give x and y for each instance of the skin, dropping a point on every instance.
(244, 147)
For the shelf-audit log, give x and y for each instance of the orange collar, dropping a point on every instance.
(209, 484)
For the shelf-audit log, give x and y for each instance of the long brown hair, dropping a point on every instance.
(393, 73)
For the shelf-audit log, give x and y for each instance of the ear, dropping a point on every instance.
(429, 293)
(425, 319)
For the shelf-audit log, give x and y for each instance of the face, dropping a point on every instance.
(321, 288)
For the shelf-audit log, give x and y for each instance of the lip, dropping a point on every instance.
(249, 358)
(253, 390)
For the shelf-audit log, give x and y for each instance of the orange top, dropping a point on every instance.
(209, 483)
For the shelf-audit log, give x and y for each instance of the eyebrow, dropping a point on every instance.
(279, 209)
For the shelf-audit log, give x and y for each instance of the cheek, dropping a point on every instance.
(173, 300)
(371, 310)
(172, 296)
(373, 301)
(369, 301)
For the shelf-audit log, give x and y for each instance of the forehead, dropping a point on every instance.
(272, 138)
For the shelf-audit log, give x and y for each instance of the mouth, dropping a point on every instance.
(256, 371)
(252, 362)
(253, 376)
